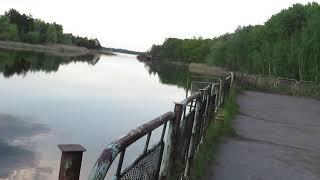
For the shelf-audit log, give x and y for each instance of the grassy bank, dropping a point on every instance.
(215, 132)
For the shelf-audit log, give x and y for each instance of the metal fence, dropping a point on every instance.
(173, 154)
(279, 84)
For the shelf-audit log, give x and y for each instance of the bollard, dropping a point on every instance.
(71, 159)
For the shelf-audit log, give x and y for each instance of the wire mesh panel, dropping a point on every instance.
(184, 139)
(199, 129)
(146, 167)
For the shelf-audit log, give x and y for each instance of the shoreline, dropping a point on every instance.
(54, 49)
(198, 68)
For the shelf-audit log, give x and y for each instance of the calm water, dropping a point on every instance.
(46, 101)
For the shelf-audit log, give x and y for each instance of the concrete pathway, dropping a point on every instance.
(278, 139)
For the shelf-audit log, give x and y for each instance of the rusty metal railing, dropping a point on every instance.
(109, 154)
(279, 84)
(170, 157)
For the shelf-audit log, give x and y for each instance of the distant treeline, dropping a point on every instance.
(21, 27)
(287, 45)
(123, 51)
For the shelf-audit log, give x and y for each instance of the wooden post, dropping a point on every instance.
(203, 114)
(220, 93)
(207, 110)
(71, 159)
(169, 160)
(193, 145)
(232, 80)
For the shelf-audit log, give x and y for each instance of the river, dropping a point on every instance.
(92, 100)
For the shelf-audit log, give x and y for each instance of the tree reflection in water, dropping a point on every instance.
(22, 62)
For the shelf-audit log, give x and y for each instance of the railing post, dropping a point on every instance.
(232, 80)
(202, 110)
(223, 95)
(170, 152)
(220, 93)
(193, 145)
(212, 105)
(71, 159)
(207, 110)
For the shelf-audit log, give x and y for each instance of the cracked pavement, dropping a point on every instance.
(277, 139)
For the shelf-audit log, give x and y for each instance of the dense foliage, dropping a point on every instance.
(21, 27)
(287, 45)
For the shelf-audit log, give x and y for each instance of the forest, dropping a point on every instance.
(286, 45)
(24, 28)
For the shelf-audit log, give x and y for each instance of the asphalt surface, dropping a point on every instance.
(278, 138)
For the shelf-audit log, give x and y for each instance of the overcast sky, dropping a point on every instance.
(137, 24)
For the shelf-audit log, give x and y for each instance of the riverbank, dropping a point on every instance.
(197, 68)
(54, 49)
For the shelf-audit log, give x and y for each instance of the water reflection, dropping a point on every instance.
(20, 63)
(89, 100)
(14, 157)
(170, 73)
(14, 153)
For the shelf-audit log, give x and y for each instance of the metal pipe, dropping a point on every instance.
(120, 163)
(147, 143)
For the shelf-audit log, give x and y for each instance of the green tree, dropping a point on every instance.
(7, 31)
(32, 37)
(51, 34)
(286, 45)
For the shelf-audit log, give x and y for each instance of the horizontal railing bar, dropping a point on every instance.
(207, 77)
(189, 99)
(108, 155)
(139, 132)
(204, 82)
(309, 82)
